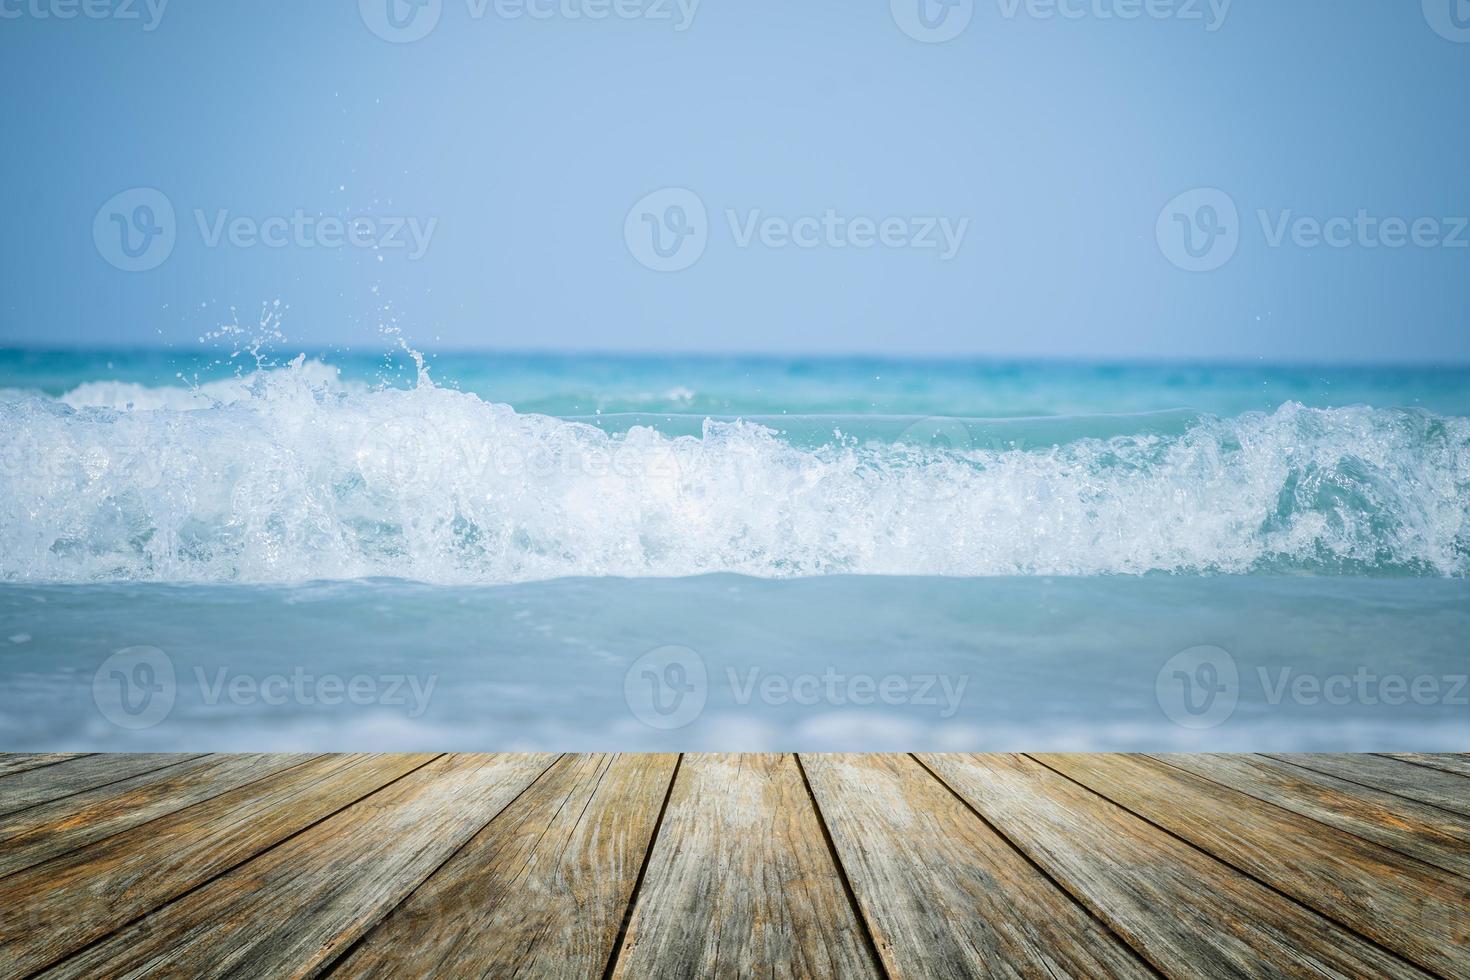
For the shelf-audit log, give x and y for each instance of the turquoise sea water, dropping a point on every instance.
(572, 384)
(492, 551)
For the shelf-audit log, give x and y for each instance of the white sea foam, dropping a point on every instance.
(289, 475)
(126, 396)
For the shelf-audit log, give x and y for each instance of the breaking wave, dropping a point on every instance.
(291, 475)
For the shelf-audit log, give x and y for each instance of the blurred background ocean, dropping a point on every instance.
(1103, 366)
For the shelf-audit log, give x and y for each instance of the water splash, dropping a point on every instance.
(288, 474)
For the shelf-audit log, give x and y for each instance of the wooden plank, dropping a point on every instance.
(1428, 833)
(290, 911)
(542, 891)
(42, 832)
(740, 878)
(103, 886)
(46, 783)
(1187, 913)
(1415, 910)
(1457, 764)
(1435, 787)
(14, 762)
(942, 893)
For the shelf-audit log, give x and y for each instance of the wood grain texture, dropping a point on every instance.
(634, 866)
(41, 832)
(942, 893)
(1428, 833)
(46, 783)
(740, 880)
(20, 762)
(1415, 910)
(103, 886)
(1427, 785)
(1457, 764)
(540, 892)
(293, 909)
(1189, 914)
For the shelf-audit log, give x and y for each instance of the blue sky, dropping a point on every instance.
(821, 175)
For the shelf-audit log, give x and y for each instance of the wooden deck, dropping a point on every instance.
(722, 865)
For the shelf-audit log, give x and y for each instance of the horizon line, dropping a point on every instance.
(1195, 360)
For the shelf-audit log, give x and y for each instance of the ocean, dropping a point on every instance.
(341, 550)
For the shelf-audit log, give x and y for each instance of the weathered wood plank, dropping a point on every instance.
(1428, 833)
(1184, 911)
(46, 783)
(542, 891)
(740, 879)
(209, 865)
(942, 893)
(20, 762)
(1415, 910)
(290, 911)
(1435, 787)
(1457, 764)
(103, 886)
(42, 832)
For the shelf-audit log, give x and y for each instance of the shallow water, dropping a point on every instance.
(729, 662)
(837, 554)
